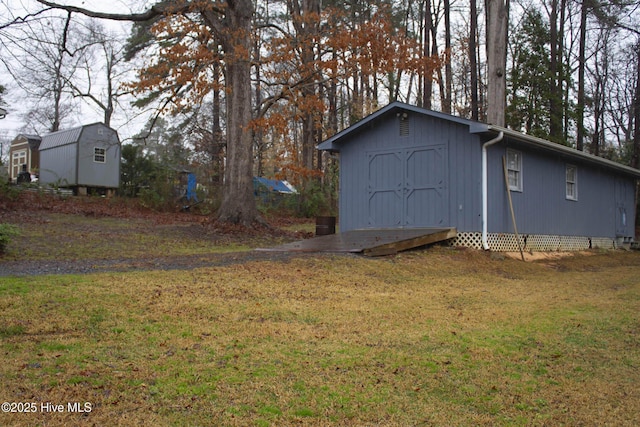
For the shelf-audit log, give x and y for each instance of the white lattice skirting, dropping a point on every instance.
(507, 242)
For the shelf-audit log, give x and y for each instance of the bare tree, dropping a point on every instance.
(42, 58)
(100, 72)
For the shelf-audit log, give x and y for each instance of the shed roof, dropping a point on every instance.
(31, 137)
(555, 147)
(333, 143)
(32, 140)
(60, 138)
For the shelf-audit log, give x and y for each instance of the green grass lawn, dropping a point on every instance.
(430, 337)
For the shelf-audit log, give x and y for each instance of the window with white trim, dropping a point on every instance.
(99, 155)
(572, 182)
(514, 170)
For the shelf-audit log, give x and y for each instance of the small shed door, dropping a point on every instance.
(407, 188)
(386, 177)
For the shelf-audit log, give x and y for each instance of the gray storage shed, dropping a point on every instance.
(86, 157)
(408, 167)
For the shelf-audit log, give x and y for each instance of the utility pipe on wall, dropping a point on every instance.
(485, 185)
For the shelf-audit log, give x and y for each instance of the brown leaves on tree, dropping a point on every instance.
(297, 65)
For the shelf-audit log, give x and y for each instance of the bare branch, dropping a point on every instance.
(65, 31)
(23, 19)
(152, 12)
(156, 116)
(625, 27)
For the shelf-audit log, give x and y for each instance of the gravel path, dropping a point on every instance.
(47, 267)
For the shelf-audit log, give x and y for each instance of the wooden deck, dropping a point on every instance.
(375, 242)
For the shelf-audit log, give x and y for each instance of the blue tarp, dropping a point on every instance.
(191, 187)
(274, 185)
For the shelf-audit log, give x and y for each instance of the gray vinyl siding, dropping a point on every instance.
(91, 173)
(58, 166)
(353, 185)
(428, 173)
(456, 156)
(465, 153)
(542, 206)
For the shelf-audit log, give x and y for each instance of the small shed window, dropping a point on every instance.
(514, 170)
(572, 182)
(99, 155)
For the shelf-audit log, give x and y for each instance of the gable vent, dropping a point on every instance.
(404, 124)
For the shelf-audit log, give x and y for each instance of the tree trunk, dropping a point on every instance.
(217, 143)
(595, 138)
(259, 134)
(58, 85)
(497, 19)
(238, 204)
(635, 157)
(428, 71)
(555, 105)
(581, 80)
(601, 76)
(438, 72)
(108, 110)
(306, 18)
(309, 118)
(473, 62)
(333, 100)
(448, 71)
(563, 86)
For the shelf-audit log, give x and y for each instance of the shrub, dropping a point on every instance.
(10, 192)
(315, 198)
(312, 200)
(7, 231)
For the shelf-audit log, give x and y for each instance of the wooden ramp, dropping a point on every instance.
(375, 242)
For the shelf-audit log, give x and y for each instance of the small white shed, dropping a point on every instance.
(82, 158)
